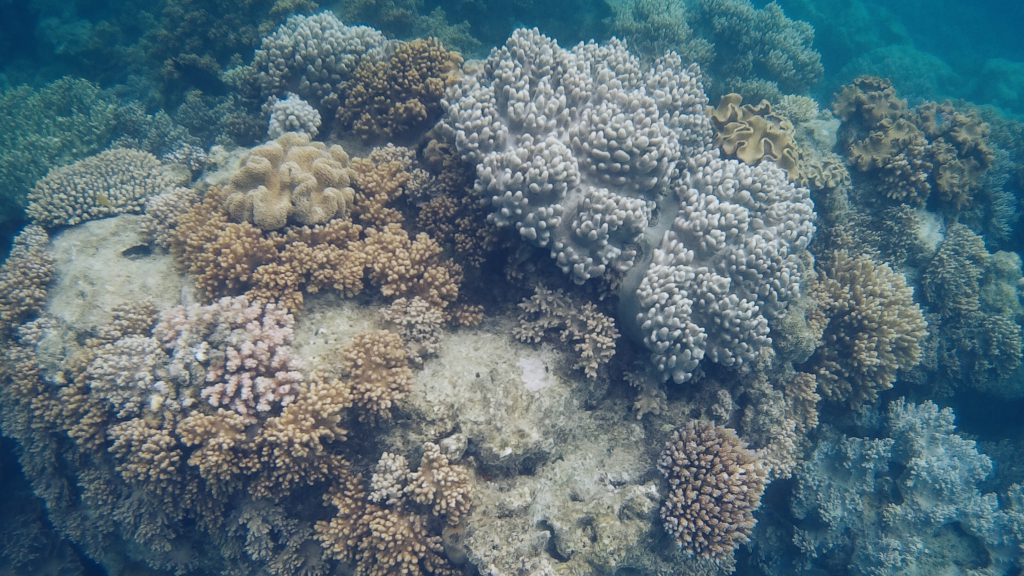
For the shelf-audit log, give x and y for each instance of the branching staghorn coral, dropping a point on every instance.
(394, 528)
(715, 485)
(871, 328)
(114, 182)
(612, 167)
(573, 320)
(401, 94)
(24, 278)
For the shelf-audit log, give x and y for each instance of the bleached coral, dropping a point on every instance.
(240, 352)
(114, 182)
(715, 485)
(292, 114)
(613, 168)
(311, 56)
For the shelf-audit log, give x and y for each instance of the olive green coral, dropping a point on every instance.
(753, 133)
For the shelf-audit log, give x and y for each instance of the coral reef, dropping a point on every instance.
(239, 349)
(376, 367)
(290, 179)
(24, 278)
(581, 170)
(310, 56)
(912, 152)
(757, 52)
(976, 296)
(871, 328)
(759, 45)
(192, 42)
(752, 133)
(715, 485)
(592, 333)
(392, 529)
(906, 499)
(41, 129)
(114, 182)
(398, 95)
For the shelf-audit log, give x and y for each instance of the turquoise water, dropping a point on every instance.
(287, 296)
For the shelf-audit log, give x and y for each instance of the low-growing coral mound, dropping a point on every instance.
(113, 182)
(715, 485)
(292, 179)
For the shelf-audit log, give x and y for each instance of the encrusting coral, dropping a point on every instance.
(113, 182)
(592, 333)
(398, 95)
(752, 133)
(872, 328)
(715, 485)
(290, 179)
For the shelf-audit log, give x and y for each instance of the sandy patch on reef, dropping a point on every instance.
(104, 263)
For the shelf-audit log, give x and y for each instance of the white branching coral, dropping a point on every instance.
(613, 168)
(240, 350)
(311, 56)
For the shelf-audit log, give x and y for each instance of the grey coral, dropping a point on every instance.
(613, 168)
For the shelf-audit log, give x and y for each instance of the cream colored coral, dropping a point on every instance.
(290, 180)
(113, 182)
(376, 368)
(715, 485)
